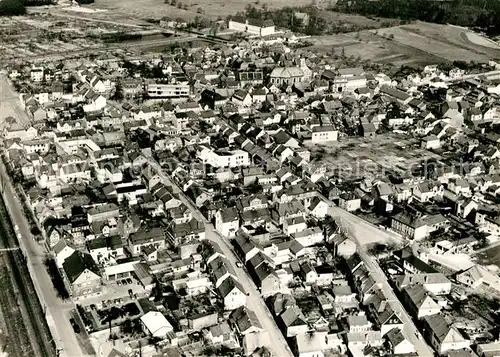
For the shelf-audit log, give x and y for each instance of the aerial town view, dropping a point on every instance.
(249, 178)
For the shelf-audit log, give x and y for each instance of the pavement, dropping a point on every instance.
(56, 310)
(10, 105)
(365, 233)
(254, 300)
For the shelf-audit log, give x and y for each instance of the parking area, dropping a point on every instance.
(121, 289)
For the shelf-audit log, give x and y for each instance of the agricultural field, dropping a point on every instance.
(448, 42)
(417, 43)
(188, 9)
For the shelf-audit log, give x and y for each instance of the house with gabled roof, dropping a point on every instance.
(245, 248)
(318, 208)
(81, 275)
(266, 280)
(245, 320)
(419, 302)
(62, 250)
(387, 319)
(227, 221)
(293, 322)
(233, 294)
(443, 336)
(399, 343)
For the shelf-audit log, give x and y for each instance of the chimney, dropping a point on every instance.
(426, 278)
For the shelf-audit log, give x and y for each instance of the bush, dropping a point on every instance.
(12, 8)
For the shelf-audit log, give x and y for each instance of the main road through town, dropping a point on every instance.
(365, 233)
(254, 302)
(56, 310)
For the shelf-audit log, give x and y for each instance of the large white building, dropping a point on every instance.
(252, 26)
(167, 90)
(323, 134)
(223, 158)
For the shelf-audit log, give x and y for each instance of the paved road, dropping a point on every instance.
(254, 301)
(56, 310)
(365, 233)
(9, 102)
(466, 76)
(410, 329)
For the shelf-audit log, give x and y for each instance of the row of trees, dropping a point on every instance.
(481, 14)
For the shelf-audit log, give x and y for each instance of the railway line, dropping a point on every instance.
(27, 329)
(11, 313)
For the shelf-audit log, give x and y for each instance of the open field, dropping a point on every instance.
(157, 9)
(355, 157)
(448, 42)
(415, 43)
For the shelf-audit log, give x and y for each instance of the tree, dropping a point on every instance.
(118, 95)
(12, 8)
(254, 188)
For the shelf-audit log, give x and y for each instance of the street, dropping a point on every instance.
(56, 310)
(365, 233)
(410, 329)
(254, 301)
(10, 104)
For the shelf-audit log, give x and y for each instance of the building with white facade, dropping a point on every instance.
(223, 158)
(324, 134)
(252, 26)
(167, 90)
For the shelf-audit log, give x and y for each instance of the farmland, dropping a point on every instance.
(415, 43)
(188, 9)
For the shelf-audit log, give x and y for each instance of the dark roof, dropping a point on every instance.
(112, 242)
(354, 261)
(245, 318)
(228, 285)
(77, 263)
(420, 265)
